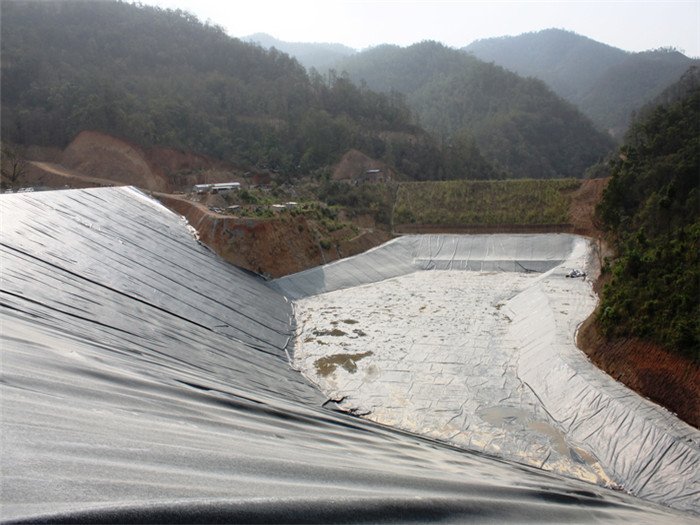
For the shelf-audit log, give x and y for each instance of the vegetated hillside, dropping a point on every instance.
(461, 206)
(651, 207)
(484, 203)
(518, 124)
(605, 82)
(161, 77)
(320, 56)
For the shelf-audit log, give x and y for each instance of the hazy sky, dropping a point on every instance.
(630, 25)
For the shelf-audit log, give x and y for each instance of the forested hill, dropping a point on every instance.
(320, 56)
(161, 77)
(652, 209)
(518, 123)
(605, 82)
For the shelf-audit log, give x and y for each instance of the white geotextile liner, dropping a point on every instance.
(497, 252)
(486, 360)
(144, 380)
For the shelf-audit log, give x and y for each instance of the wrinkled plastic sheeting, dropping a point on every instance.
(641, 446)
(145, 380)
(497, 252)
(648, 450)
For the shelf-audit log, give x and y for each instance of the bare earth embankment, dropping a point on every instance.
(274, 247)
(664, 377)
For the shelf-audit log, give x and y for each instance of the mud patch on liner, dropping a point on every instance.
(335, 332)
(511, 417)
(325, 366)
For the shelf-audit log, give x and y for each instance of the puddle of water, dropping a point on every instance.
(327, 365)
(509, 416)
(503, 416)
(556, 438)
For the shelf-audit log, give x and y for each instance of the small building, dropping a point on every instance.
(221, 187)
(225, 187)
(200, 189)
(374, 175)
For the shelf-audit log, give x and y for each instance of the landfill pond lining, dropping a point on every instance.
(145, 380)
(470, 339)
(427, 353)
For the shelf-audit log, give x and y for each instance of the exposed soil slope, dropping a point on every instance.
(50, 175)
(666, 378)
(355, 164)
(273, 247)
(96, 154)
(583, 203)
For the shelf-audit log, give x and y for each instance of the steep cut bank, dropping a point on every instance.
(665, 377)
(649, 211)
(272, 247)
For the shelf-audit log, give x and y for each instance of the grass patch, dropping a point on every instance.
(460, 202)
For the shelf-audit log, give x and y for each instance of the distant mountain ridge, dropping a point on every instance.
(162, 78)
(605, 82)
(320, 56)
(519, 124)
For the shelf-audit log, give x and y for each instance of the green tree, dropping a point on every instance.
(651, 208)
(12, 166)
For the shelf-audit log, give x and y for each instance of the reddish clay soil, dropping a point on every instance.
(665, 378)
(273, 247)
(50, 175)
(99, 155)
(582, 208)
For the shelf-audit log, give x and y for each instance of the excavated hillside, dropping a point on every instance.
(96, 159)
(96, 154)
(355, 165)
(272, 247)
